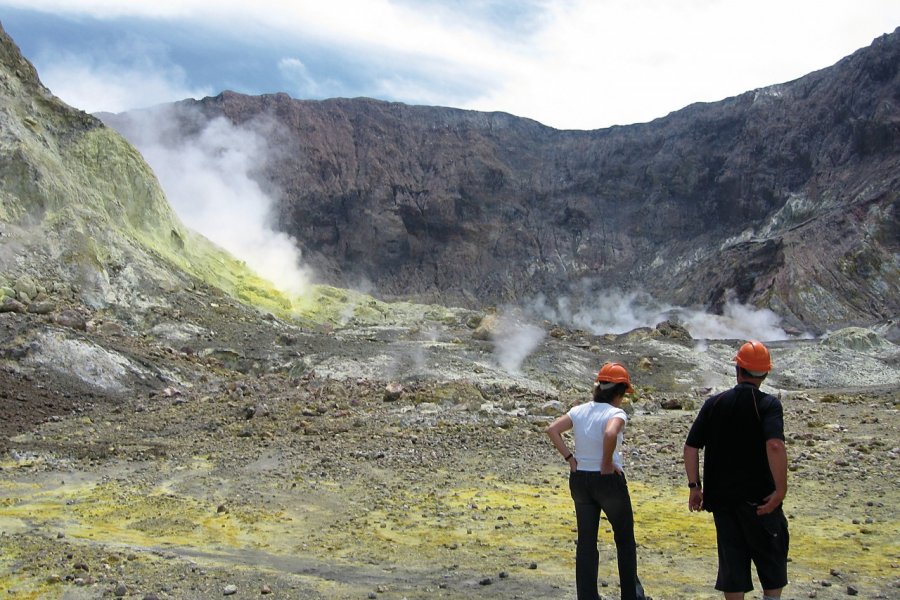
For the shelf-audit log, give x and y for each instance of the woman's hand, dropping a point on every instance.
(609, 469)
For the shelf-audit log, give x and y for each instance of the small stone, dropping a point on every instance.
(486, 581)
(671, 404)
(120, 590)
(264, 590)
(852, 591)
(41, 308)
(10, 305)
(392, 392)
(71, 319)
(230, 590)
(372, 596)
(551, 408)
(503, 575)
(533, 566)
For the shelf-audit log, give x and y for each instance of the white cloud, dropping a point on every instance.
(571, 64)
(111, 8)
(304, 84)
(596, 64)
(113, 88)
(295, 72)
(132, 73)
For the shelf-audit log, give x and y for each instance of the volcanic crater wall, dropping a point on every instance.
(783, 197)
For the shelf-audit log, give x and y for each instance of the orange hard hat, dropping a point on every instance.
(754, 357)
(615, 373)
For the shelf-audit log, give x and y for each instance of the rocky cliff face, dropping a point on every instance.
(783, 197)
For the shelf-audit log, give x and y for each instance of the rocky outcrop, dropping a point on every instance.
(784, 197)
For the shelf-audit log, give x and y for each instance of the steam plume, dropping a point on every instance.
(208, 180)
(616, 311)
(514, 340)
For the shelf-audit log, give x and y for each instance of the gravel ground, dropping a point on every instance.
(200, 453)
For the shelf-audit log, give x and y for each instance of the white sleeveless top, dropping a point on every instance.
(590, 420)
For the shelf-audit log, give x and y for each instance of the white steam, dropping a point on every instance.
(615, 311)
(737, 321)
(513, 341)
(207, 179)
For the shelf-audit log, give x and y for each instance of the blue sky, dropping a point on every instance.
(580, 64)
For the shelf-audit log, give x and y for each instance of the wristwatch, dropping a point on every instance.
(695, 484)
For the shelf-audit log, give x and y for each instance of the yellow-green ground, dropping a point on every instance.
(432, 520)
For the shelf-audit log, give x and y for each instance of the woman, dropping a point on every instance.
(597, 481)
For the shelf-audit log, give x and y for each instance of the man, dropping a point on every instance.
(741, 432)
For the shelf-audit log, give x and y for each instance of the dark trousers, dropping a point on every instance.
(593, 492)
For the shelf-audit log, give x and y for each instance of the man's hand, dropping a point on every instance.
(772, 501)
(777, 455)
(695, 502)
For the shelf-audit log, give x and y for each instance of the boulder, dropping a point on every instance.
(673, 330)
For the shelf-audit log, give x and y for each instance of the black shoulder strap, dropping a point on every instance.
(755, 405)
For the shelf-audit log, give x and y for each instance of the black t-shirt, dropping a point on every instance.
(732, 428)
